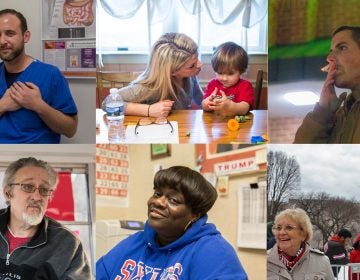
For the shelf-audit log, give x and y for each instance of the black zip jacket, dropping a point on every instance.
(52, 253)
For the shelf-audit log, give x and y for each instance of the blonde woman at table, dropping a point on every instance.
(229, 94)
(292, 257)
(169, 81)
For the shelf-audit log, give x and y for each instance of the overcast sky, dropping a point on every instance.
(334, 169)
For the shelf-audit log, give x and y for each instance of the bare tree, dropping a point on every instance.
(329, 213)
(283, 178)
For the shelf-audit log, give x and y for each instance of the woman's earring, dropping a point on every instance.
(188, 225)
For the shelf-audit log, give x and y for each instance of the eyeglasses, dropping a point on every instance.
(30, 188)
(148, 121)
(286, 228)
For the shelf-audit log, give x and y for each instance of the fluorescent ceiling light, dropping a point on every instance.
(299, 98)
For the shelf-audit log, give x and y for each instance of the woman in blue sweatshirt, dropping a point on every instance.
(177, 242)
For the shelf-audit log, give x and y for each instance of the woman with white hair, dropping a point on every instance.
(292, 257)
(169, 80)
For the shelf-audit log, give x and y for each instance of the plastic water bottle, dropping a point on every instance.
(114, 108)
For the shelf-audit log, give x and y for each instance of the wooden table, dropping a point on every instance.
(204, 127)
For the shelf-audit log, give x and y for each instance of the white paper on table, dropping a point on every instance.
(153, 133)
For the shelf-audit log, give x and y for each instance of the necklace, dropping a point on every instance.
(11, 231)
(29, 234)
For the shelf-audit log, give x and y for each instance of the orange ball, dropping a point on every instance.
(233, 125)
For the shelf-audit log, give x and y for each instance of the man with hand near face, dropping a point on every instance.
(32, 245)
(330, 122)
(36, 105)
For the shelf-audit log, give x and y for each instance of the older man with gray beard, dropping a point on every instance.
(32, 245)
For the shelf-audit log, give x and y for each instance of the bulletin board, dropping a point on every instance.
(69, 36)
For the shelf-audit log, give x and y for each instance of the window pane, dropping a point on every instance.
(132, 34)
(114, 34)
(70, 200)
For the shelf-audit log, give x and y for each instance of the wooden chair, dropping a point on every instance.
(258, 92)
(112, 79)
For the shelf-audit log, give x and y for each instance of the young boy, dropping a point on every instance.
(228, 94)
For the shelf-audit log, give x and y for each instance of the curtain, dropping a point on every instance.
(226, 11)
(121, 9)
(220, 12)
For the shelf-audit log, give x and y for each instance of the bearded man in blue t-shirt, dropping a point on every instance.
(36, 105)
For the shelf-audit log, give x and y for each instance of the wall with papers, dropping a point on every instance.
(112, 175)
(68, 36)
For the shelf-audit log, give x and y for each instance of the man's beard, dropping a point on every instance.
(12, 55)
(33, 219)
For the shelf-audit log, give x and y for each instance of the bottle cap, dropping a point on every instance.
(113, 90)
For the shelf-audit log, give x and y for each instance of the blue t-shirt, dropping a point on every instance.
(25, 126)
